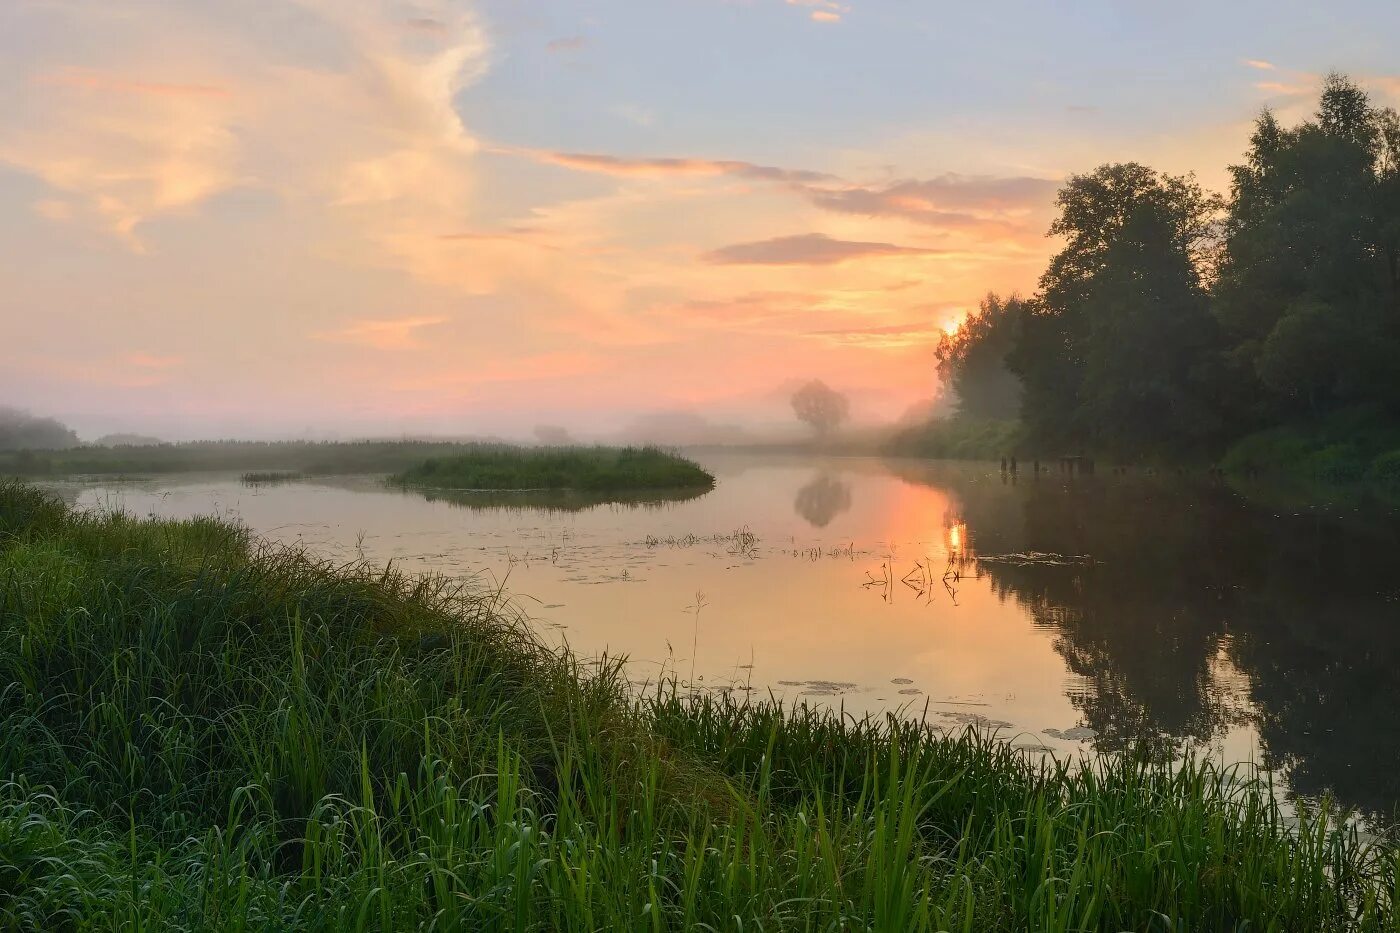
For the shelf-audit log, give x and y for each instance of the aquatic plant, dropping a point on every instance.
(269, 478)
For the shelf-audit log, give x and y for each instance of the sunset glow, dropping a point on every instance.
(456, 216)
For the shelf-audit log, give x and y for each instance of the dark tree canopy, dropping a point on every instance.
(820, 406)
(1117, 349)
(1309, 287)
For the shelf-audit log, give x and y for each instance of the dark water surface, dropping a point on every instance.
(1063, 611)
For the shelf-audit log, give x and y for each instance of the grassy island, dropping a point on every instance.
(582, 469)
(199, 731)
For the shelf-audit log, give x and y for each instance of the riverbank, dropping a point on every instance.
(308, 457)
(580, 469)
(1349, 448)
(204, 732)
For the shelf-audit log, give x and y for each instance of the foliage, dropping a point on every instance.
(1116, 352)
(820, 406)
(21, 431)
(587, 469)
(1309, 288)
(1173, 323)
(203, 732)
(972, 359)
(1346, 445)
(309, 457)
(960, 439)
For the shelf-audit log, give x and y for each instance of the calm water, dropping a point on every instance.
(1062, 611)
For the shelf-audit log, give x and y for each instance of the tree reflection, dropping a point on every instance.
(822, 499)
(1201, 612)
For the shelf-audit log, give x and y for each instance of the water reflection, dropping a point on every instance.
(822, 499)
(1123, 608)
(1199, 613)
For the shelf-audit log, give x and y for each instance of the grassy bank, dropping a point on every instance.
(1359, 445)
(583, 469)
(309, 457)
(198, 731)
(959, 439)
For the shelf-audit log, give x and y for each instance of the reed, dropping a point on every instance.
(199, 731)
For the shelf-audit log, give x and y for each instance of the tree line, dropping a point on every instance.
(1177, 320)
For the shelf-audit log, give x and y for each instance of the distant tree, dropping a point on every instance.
(1119, 349)
(552, 435)
(127, 440)
(820, 406)
(972, 359)
(20, 430)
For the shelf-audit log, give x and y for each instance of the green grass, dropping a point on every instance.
(583, 469)
(202, 732)
(1353, 446)
(309, 457)
(960, 439)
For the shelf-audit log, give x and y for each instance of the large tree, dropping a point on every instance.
(1309, 286)
(820, 406)
(1119, 348)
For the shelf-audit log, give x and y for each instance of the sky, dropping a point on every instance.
(347, 217)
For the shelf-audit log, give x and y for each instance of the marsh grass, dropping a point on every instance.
(269, 478)
(309, 457)
(199, 731)
(582, 469)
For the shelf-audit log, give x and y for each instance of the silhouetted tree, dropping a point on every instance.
(1309, 289)
(1118, 349)
(972, 359)
(820, 406)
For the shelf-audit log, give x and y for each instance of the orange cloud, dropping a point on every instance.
(1280, 87)
(152, 361)
(828, 11)
(81, 79)
(567, 44)
(1260, 64)
(890, 336)
(389, 334)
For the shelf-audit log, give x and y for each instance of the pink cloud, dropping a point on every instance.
(667, 167)
(816, 249)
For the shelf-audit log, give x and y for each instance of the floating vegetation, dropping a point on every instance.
(741, 542)
(269, 478)
(1029, 558)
